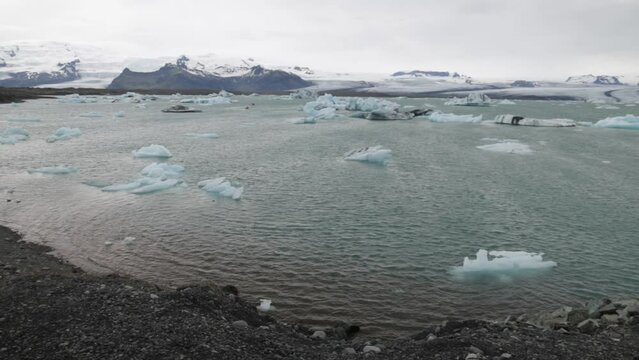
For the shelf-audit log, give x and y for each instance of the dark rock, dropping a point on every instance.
(588, 326)
(576, 316)
(230, 289)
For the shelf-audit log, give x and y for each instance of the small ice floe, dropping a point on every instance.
(374, 154)
(473, 99)
(619, 122)
(221, 187)
(509, 147)
(440, 117)
(152, 151)
(64, 133)
(78, 99)
(55, 170)
(506, 102)
(11, 136)
(503, 263)
(215, 100)
(584, 123)
(606, 161)
(92, 114)
(119, 114)
(607, 107)
(224, 93)
(265, 305)
(155, 177)
(108, 243)
(509, 119)
(204, 135)
(97, 183)
(128, 240)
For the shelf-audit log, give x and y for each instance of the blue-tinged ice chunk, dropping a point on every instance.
(375, 154)
(221, 187)
(55, 170)
(11, 136)
(153, 150)
(473, 99)
(440, 117)
(619, 122)
(64, 133)
(498, 263)
(163, 171)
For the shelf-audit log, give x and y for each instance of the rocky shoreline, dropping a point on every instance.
(52, 310)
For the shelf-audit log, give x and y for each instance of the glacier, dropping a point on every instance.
(55, 170)
(64, 133)
(375, 154)
(11, 136)
(503, 263)
(221, 187)
(440, 117)
(619, 122)
(509, 147)
(152, 151)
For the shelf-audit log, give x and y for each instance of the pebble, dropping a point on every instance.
(153, 296)
(240, 324)
(472, 356)
(371, 348)
(318, 335)
(349, 351)
(506, 356)
(475, 350)
(431, 337)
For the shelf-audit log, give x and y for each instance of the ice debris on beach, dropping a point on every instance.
(619, 122)
(440, 117)
(11, 136)
(473, 99)
(221, 187)
(155, 177)
(265, 305)
(152, 151)
(55, 170)
(204, 135)
(64, 133)
(508, 146)
(503, 262)
(374, 154)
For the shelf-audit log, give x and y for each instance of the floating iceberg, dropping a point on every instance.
(440, 117)
(524, 121)
(10, 136)
(77, 99)
(215, 100)
(506, 102)
(503, 262)
(508, 147)
(92, 114)
(204, 135)
(375, 155)
(300, 94)
(371, 104)
(619, 122)
(153, 150)
(180, 109)
(155, 177)
(64, 133)
(221, 187)
(224, 93)
(473, 99)
(607, 107)
(55, 170)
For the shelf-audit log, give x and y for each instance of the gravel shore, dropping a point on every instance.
(52, 310)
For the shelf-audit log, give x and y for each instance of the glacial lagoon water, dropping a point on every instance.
(327, 239)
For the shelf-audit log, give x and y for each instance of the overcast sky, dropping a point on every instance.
(482, 38)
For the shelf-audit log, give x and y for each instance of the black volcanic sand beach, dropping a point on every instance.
(52, 310)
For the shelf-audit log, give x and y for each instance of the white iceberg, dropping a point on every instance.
(506, 102)
(619, 122)
(152, 151)
(374, 154)
(509, 119)
(473, 99)
(55, 170)
(204, 135)
(64, 133)
(224, 93)
(265, 305)
(11, 136)
(163, 171)
(221, 187)
(440, 117)
(508, 147)
(371, 104)
(503, 262)
(155, 177)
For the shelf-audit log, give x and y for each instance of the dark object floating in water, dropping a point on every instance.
(180, 109)
(396, 115)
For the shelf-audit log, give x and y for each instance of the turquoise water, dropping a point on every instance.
(328, 239)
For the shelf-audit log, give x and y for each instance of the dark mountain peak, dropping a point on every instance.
(182, 62)
(257, 71)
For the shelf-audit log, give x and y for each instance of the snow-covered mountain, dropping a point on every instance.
(595, 79)
(434, 75)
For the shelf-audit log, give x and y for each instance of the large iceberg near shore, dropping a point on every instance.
(55, 170)
(11, 136)
(503, 263)
(64, 133)
(221, 187)
(375, 154)
(619, 122)
(473, 99)
(440, 117)
(155, 177)
(152, 151)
